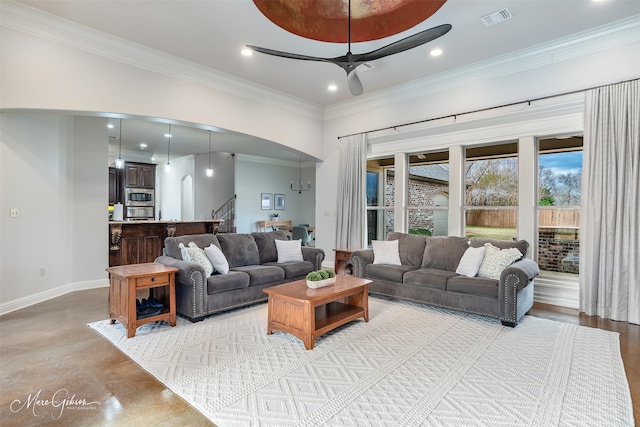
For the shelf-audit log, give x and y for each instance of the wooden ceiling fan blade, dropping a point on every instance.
(354, 83)
(407, 43)
(288, 54)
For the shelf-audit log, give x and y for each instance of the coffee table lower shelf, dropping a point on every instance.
(310, 313)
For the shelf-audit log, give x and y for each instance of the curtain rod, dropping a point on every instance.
(488, 108)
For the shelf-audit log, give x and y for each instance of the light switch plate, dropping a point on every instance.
(14, 213)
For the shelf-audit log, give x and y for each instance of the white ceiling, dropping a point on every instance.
(213, 32)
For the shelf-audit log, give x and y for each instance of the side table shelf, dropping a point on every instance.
(125, 281)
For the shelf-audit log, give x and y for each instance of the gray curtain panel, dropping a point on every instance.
(352, 196)
(610, 226)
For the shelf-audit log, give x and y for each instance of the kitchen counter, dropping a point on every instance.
(168, 221)
(136, 242)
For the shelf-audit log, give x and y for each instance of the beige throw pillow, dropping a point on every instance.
(289, 250)
(471, 261)
(194, 254)
(496, 260)
(386, 252)
(217, 258)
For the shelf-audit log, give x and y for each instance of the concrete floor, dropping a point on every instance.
(47, 349)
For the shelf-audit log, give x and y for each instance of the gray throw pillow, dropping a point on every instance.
(444, 253)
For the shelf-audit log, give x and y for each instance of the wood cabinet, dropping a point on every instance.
(139, 175)
(115, 186)
(136, 242)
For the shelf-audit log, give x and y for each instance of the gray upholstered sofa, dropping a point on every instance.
(427, 275)
(253, 267)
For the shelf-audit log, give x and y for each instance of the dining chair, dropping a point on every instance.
(301, 233)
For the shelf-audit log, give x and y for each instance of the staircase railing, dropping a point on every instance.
(227, 212)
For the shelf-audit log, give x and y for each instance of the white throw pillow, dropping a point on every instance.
(289, 250)
(496, 260)
(471, 261)
(217, 258)
(386, 252)
(194, 254)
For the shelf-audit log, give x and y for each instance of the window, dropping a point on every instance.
(380, 199)
(491, 191)
(559, 191)
(428, 210)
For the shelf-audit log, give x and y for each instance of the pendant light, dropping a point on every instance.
(167, 167)
(119, 162)
(301, 187)
(209, 171)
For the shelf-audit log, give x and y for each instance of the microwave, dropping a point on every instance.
(139, 197)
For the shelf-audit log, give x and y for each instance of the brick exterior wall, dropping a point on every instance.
(559, 249)
(421, 193)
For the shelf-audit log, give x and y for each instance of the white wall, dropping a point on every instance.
(170, 187)
(48, 165)
(89, 71)
(256, 175)
(466, 90)
(212, 192)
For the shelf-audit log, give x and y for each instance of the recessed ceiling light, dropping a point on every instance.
(110, 126)
(143, 145)
(332, 88)
(436, 52)
(168, 135)
(246, 51)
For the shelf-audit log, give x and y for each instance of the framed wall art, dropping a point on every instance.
(266, 201)
(278, 202)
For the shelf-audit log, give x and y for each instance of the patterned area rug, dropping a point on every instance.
(410, 365)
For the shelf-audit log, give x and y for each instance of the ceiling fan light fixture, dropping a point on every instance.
(350, 61)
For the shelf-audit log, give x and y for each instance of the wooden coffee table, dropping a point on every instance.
(309, 313)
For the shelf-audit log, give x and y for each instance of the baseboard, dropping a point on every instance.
(557, 291)
(27, 301)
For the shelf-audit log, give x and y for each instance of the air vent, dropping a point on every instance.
(496, 17)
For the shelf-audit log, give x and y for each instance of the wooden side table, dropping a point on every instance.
(343, 261)
(126, 280)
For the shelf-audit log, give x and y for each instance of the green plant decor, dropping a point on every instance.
(317, 275)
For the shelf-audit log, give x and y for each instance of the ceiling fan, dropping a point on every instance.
(350, 61)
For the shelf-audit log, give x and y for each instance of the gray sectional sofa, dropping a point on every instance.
(427, 275)
(253, 267)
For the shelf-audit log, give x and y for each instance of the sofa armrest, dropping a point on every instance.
(514, 297)
(525, 270)
(360, 259)
(315, 255)
(189, 272)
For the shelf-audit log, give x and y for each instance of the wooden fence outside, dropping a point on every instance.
(508, 218)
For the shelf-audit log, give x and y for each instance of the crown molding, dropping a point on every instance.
(270, 161)
(52, 28)
(597, 39)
